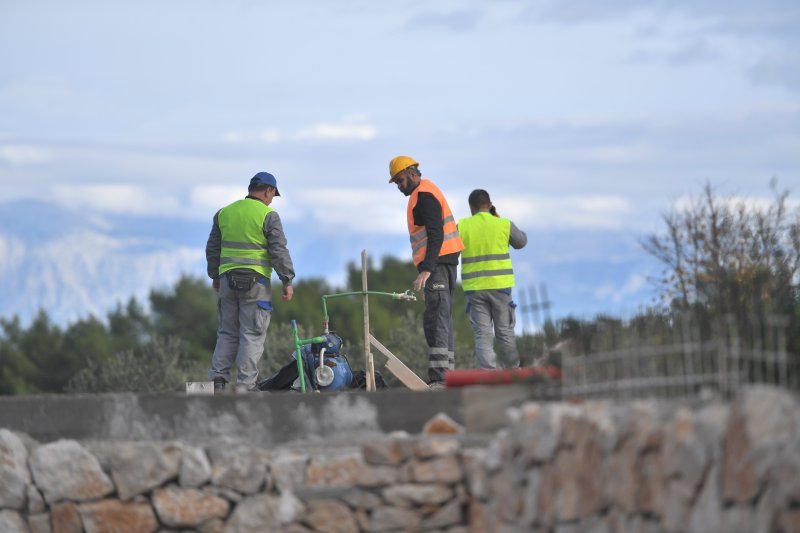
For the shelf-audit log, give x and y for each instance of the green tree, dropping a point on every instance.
(159, 365)
(17, 371)
(189, 312)
(732, 257)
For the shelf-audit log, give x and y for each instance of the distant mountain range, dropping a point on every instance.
(74, 264)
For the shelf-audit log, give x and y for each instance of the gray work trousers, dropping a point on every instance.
(437, 321)
(243, 321)
(490, 310)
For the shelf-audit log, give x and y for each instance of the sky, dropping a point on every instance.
(584, 120)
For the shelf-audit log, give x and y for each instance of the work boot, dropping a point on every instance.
(437, 385)
(219, 385)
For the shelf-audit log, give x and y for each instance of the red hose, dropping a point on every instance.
(476, 376)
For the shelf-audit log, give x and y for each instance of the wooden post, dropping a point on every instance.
(370, 366)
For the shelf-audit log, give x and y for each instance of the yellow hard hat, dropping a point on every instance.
(398, 164)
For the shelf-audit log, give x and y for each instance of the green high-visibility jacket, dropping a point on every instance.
(485, 261)
(244, 244)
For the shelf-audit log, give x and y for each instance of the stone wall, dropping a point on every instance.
(595, 466)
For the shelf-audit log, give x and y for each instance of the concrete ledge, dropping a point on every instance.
(263, 419)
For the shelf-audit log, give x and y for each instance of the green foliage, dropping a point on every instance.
(159, 365)
(189, 311)
(731, 257)
(134, 350)
(721, 259)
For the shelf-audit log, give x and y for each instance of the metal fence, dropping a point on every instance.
(687, 368)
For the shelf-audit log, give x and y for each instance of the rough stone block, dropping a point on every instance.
(35, 500)
(137, 467)
(330, 516)
(12, 522)
(255, 513)
(114, 515)
(439, 470)
(66, 470)
(334, 471)
(388, 451)
(361, 499)
(288, 469)
(195, 469)
(177, 507)
(707, 512)
(39, 523)
(476, 477)
(394, 518)
(15, 477)
(378, 476)
(407, 495)
(764, 420)
(427, 448)
(65, 518)
(451, 514)
(241, 468)
(441, 424)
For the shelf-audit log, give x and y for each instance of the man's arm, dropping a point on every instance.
(428, 213)
(279, 253)
(517, 239)
(213, 249)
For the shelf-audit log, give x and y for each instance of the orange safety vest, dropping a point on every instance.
(419, 237)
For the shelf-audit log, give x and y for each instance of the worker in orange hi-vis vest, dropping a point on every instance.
(435, 248)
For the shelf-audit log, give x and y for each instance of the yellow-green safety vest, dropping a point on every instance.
(485, 261)
(244, 244)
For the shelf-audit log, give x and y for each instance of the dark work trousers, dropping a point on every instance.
(438, 321)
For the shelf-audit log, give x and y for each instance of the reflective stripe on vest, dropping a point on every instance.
(419, 236)
(485, 261)
(244, 244)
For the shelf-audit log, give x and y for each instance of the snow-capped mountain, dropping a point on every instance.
(74, 265)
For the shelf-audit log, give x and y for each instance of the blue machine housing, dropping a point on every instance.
(342, 373)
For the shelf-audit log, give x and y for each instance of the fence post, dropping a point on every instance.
(735, 351)
(722, 353)
(781, 323)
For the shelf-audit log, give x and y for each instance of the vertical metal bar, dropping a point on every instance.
(781, 346)
(370, 366)
(736, 354)
(687, 357)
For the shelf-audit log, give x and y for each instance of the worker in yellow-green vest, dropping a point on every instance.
(246, 243)
(487, 278)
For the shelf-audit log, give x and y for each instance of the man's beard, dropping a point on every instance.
(407, 188)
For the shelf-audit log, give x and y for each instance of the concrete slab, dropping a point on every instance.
(263, 419)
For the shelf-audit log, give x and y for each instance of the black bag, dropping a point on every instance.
(241, 282)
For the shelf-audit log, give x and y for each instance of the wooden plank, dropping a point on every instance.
(370, 365)
(400, 370)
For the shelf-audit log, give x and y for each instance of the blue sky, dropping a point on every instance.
(584, 120)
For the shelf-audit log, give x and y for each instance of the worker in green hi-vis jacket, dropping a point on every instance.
(487, 278)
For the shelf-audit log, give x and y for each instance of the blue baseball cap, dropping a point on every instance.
(265, 178)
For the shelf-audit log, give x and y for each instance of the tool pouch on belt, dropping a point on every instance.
(241, 282)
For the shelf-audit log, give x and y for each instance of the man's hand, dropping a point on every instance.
(419, 283)
(215, 285)
(288, 292)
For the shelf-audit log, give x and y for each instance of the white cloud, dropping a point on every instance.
(270, 135)
(632, 285)
(591, 211)
(117, 199)
(348, 210)
(342, 131)
(18, 154)
(210, 198)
